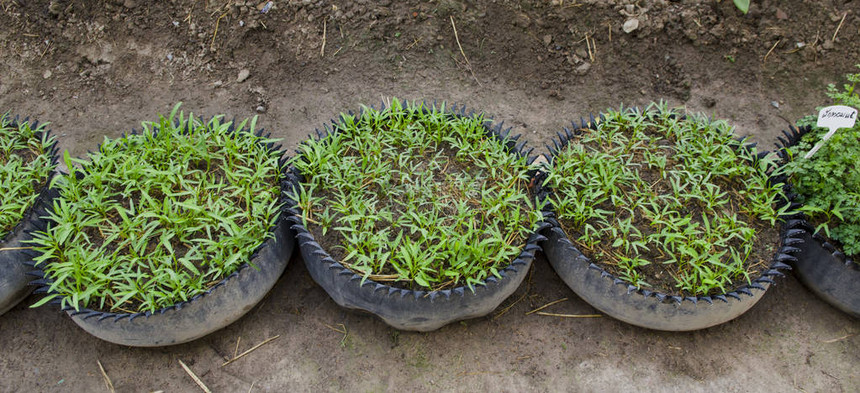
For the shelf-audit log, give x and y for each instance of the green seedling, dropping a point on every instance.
(417, 197)
(156, 218)
(655, 190)
(25, 165)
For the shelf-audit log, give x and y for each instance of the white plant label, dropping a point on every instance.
(833, 118)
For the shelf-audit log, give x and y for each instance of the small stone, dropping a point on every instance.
(583, 68)
(522, 21)
(169, 56)
(129, 4)
(47, 74)
(828, 44)
(175, 23)
(630, 26)
(311, 18)
(547, 39)
(774, 104)
(781, 15)
(55, 8)
(243, 75)
(261, 109)
(218, 84)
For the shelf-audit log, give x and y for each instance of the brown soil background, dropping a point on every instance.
(98, 68)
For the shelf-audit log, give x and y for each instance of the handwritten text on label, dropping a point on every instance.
(833, 118)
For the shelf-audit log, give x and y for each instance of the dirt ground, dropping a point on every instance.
(98, 68)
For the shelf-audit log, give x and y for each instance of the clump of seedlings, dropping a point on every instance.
(416, 196)
(828, 183)
(157, 217)
(667, 201)
(25, 165)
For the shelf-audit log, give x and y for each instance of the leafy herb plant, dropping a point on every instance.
(666, 201)
(416, 196)
(157, 217)
(828, 183)
(25, 165)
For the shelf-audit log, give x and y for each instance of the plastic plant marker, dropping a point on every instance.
(833, 118)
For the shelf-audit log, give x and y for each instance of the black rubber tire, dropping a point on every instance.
(408, 309)
(14, 271)
(653, 310)
(223, 304)
(829, 274)
(820, 266)
(14, 277)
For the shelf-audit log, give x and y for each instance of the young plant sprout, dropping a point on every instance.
(25, 166)
(666, 201)
(416, 197)
(158, 217)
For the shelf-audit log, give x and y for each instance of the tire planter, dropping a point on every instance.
(219, 306)
(14, 278)
(820, 265)
(13, 270)
(406, 309)
(652, 309)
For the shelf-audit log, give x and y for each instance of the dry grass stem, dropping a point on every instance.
(341, 331)
(322, 48)
(194, 377)
(254, 348)
(15, 248)
(549, 314)
(468, 64)
(108, 382)
(215, 34)
(588, 47)
(49, 47)
(415, 42)
(771, 50)
(547, 305)
(839, 27)
(508, 308)
(831, 341)
(236, 350)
